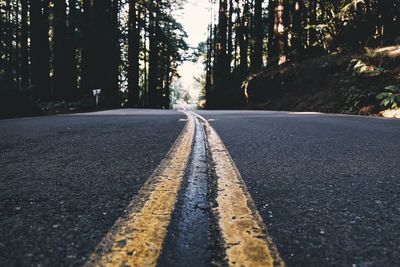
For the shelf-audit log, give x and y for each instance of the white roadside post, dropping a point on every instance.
(97, 93)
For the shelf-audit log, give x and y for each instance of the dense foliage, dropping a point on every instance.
(58, 51)
(248, 36)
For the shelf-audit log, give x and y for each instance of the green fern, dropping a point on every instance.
(390, 98)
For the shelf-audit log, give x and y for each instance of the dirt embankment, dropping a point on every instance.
(338, 83)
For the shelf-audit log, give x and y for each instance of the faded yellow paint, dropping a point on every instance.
(242, 229)
(137, 239)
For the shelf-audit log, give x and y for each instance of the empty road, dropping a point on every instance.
(205, 188)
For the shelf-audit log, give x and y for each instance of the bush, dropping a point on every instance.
(357, 99)
(390, 98)
(15, 102)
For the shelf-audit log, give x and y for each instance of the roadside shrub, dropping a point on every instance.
(357, 99)
(16, 102)
(390, 98)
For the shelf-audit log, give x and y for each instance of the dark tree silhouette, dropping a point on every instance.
(133, 55)
(40, 48)
(244, 37)
(62, 91)
(256, 59)
(280, 30)
(59, 51)
(153, 55)
(222, 64)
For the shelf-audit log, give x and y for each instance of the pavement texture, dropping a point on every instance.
(189, 241)
(65, 180)
(327, 186)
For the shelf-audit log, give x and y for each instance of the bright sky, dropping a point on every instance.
(195, 19)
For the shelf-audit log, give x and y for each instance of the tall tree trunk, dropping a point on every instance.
(24, 45)
(280, 31)
(272, 52)
(61, 90)
(72, 68)
(244, 37)
(230, 34)
(385, 8)
(103, 52)
(256, 60)
(145, 97)
(8, 40)
(40, 56)
(86, 18)
(17, 47)
(115, 55)
(222, 68)
(298, 26)
(133, 56)
(2, 47)
(238, 35)
(153, 59)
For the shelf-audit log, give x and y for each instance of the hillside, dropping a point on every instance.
(338, 83)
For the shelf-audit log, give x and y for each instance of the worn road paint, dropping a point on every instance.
(241, 226)
(187, 241)
(136, 239)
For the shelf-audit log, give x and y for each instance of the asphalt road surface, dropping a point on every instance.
(325, 187)
(65, 180)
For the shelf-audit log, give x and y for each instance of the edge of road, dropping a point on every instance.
(104, 111)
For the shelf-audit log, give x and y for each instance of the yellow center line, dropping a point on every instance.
(242, 229)
(136, 239)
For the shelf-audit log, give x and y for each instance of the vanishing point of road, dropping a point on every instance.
(199, 188)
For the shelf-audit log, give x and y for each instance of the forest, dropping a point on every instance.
(55, 53)
(293, 54)
(320, 55)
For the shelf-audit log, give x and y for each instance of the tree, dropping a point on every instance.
(244, 36)
(280, 31)
(90, 45)
(385, 10)
(24, 45)
(103, 53)
(86, 43)
(39, 52)
(221, 65)
(133, 55)
(153, 55)
(230, 34)
(298, 26)
(272, 52)
(61, 90)
(72, 41)
(256, 59)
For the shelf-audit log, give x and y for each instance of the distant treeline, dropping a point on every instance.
(247, 35)
(60, 50)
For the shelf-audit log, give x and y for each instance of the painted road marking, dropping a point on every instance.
(137, 239)
(241, 226)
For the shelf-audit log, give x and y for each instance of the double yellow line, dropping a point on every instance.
(137, 238)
